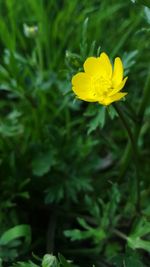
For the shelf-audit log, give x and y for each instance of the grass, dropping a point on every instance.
(67, 174)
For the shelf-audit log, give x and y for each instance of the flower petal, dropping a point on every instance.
(119, 87)
(107, 101)
(92, 66)
(117, 73)
(105, 63)
(100, 66)
(81, 85)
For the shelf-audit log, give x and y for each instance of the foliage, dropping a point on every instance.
(67, 173)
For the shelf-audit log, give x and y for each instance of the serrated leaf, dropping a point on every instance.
(135, 240)
(112, 112)
(49, 261)
(83, 223)
(138, 243)
(76, 234)
(98, 121)
(129, 59)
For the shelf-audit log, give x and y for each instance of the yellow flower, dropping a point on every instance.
(98, 82)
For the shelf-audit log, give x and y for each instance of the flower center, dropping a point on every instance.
(101, 86)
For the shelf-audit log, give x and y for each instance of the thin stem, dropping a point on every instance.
(130, 112)
(140, 114)
(39, 53)
(51, 232)
(126, 125)
(120, 234)
(134, 148)
(146, 97)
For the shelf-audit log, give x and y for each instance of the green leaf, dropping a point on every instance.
(98, 121)
(132, 262)
(83, 223)
(137, 243)
(25, 264)
(63, 261)
(42, 163)
(15, 233)
(76, 234)
(147, 14)
(8, 129)
(135, 240)
(142, 2)
(112, 249)
(49, 261)
(129, 59)
(127, 260)
(112, 112)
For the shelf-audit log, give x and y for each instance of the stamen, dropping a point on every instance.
(101, 86)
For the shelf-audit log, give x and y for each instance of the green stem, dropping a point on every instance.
(130, 112)
(146, 97)
(120, 234)
(140, 114)
(126, 125)
(39, 53)
(135, 151)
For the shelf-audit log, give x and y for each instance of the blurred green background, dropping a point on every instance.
(67, 178)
